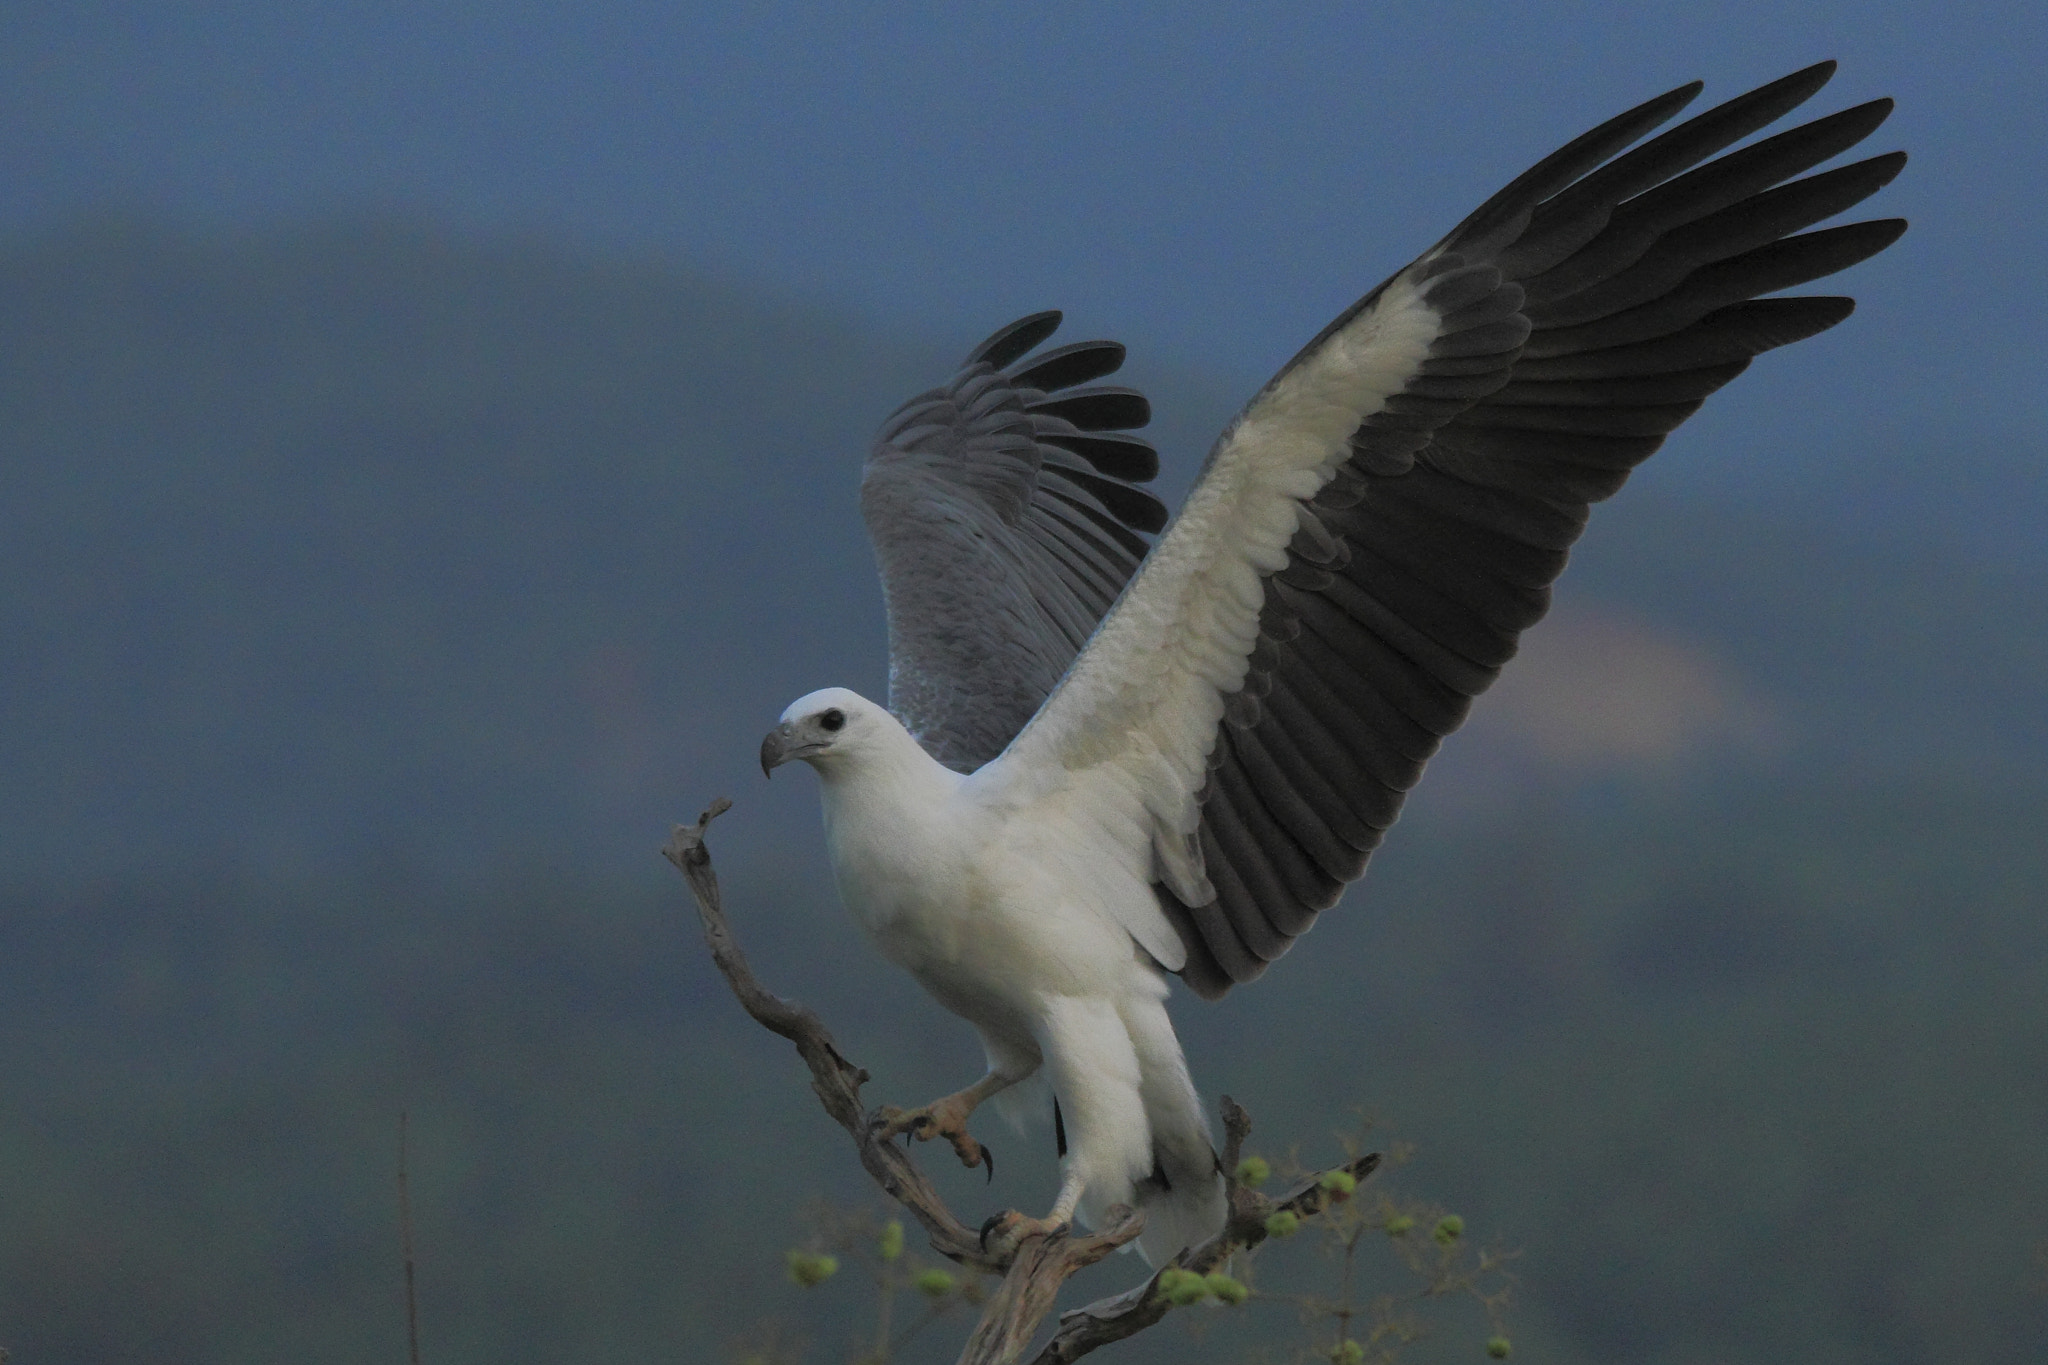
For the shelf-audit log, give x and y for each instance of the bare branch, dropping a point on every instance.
(412, 1308)
(1028, 1292)
(836, 1080)
(1034, 1269)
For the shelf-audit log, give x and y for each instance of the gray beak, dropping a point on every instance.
(775, 749)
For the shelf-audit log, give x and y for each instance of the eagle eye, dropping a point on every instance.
(833, 719)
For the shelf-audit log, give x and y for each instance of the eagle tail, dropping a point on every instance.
(1183, 1197)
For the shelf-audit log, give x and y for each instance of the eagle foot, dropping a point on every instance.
(1011, 1229)
(941, 1118)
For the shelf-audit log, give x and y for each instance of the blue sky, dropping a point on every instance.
(1209, 183)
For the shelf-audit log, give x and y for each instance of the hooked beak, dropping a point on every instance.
(781, 746)
(775, 750)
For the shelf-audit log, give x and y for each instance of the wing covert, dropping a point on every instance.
(1007, 511)
(1374, 532)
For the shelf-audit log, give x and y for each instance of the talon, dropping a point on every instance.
(922, 1125)
(970, 1152)
(1012, 1226)
(988, 1159)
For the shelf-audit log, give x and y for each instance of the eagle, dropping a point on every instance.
(1109, 760)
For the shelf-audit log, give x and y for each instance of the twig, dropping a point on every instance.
(1034, 1270)
(412, 1311)
(896, 1343)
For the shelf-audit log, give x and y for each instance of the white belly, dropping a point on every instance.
(989, 930)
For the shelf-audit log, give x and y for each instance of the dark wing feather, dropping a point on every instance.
(1006, 511)
(1587, 310)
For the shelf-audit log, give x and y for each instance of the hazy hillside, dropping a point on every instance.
(362, 539)
(370, 601)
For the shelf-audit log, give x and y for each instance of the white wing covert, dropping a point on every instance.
(1373, 533)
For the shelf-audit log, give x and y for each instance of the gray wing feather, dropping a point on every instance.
(1006, 511)
(1588, 309)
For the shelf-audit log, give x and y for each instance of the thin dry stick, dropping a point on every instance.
(1034, 1269)
(412, 1310)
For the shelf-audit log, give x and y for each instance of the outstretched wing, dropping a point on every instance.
(1373, 533)
(1006, 511)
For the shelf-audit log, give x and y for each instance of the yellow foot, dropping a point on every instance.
(946, 1118)
(1011, 1229)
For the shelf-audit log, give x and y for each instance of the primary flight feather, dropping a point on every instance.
(1108, 762)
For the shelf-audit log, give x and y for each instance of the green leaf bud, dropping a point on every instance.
(1449, 1229)
(1182, 1287)
(1497, 1347)
(1400, 1225)
(1348, 1353)
(934, 1282)
(891, 1245)
(1253, 1171)
(1340, 1183)
(1227, 1290)
(1283, 1223)
(809, 1268)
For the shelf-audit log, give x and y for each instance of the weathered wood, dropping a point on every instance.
(1028, 1292)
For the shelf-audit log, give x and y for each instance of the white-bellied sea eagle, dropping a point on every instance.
(1103, 764)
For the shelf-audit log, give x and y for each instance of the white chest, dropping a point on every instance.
(908, 870)
(990, 909)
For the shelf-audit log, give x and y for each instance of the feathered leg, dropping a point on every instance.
(1183, 1196)
(1096, 1075)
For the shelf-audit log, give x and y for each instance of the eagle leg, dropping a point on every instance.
(946, 1118)
(1011, 1228)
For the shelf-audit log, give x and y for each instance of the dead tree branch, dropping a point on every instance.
(1034, 1270)
(836, 1080)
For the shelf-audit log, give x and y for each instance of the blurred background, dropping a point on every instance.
(429, 436)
